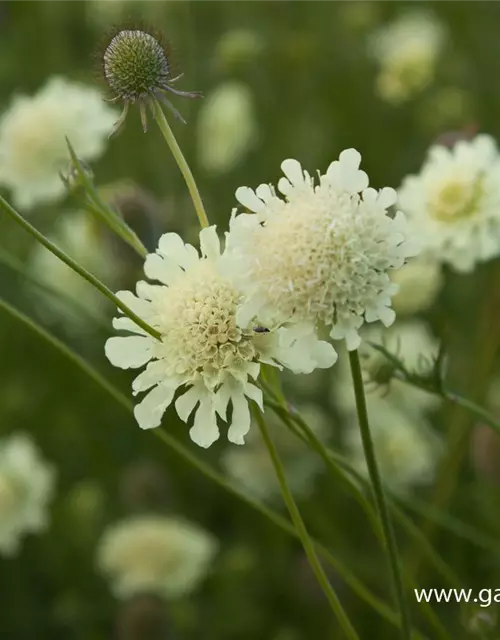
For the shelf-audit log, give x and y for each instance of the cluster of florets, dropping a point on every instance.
(320, 256)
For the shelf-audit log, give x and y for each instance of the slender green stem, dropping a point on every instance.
(356, 585)
(379, 495)
(94, 204)
(13, 263)
(300, 526)
(39, 237)
(181, 162)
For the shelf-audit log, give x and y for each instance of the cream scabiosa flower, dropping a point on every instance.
(323, 254)
(26, 487)
(454, 203)
(155, 554)
(32, 138)
(202, 348)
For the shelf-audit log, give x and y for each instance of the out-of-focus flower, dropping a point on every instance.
(453, 205)
(252, 469)
(227, 128)
(407, 449)
(155, 554)
(238, 47)
(77, 234)
(419, 282)
(26, 488)
(203, 348)
(412, 343)
(407, 51)
(324, 253)
(33, 148)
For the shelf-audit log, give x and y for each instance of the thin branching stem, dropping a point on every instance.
(379, 495)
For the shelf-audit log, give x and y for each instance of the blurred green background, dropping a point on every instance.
(309, 85)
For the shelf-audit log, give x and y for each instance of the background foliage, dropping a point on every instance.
(313, 87)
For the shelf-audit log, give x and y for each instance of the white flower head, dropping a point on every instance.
(227, 127)
(407, 51)
(323, 253)
(407, 449)
(203, 348)
(26, 487)
(33, 148)
(252, 469)
(413, 344)
(453, 205)
(419, 282)
(155, 554)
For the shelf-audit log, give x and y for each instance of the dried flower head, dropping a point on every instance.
(137, 68)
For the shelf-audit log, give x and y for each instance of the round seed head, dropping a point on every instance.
(135, 65)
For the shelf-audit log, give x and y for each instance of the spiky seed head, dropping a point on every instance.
(135, 65)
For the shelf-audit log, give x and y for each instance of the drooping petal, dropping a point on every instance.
(150, 411)
(130, 352)
(205, 431)
(152, 375)
(185, 404)
(240, 422)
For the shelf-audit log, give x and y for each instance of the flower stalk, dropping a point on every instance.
(379, 495)
(181, 162)
(303, 534)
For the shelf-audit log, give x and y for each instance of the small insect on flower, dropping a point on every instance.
(137, 67)
(261, 330)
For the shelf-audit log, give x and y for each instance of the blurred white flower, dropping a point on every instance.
(407, 51)
(412, 343)
(453, 205)
(26, 487)
(32, 138)
(155, 554)
(407, 449)
(323, 254)
(227, 127)
(77, 234)
(202, 348)
(252, 468)
(419, 282)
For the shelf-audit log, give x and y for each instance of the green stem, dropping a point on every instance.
(300, 526)
(98, 208)
(378, 491)
(356, 585)
(181, 162)
(39, 237)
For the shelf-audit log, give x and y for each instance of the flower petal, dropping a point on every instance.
(205, 431)
(150, 411)
(248, 199)
(240, 423)
(210, 243)
(130, 352)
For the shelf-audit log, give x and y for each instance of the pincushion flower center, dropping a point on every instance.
(455, 199)
(198, 323)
